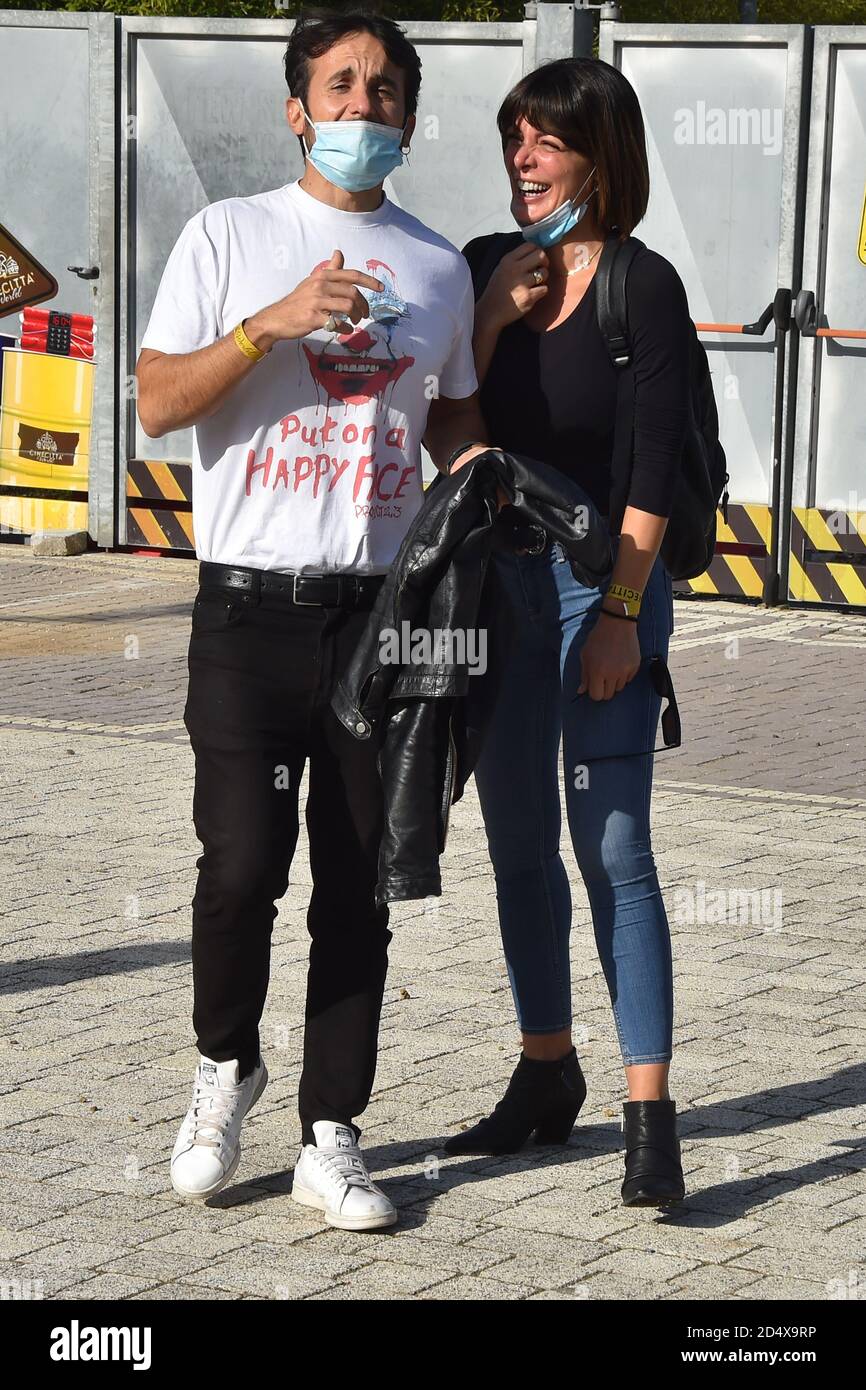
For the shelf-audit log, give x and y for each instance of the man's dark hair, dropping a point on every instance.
(593, 109)
(317, 30)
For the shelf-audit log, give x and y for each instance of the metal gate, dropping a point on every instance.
(723, 107)
(757, 148)
(828, 484)
(745, 162)
(57, 198)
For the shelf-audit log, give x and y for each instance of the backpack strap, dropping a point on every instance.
(610, 296)
(612, 312)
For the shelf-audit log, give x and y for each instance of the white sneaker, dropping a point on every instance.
(331, 1176)
(208, 1150)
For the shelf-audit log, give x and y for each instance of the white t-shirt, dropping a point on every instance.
(313, 461)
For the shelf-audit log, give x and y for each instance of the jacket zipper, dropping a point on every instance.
(450, 771)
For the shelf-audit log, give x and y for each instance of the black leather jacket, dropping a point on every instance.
(428, 709)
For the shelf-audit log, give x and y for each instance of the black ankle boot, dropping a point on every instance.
(541, 1096)
(653, 1172)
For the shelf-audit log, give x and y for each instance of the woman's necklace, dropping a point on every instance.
(579, 268)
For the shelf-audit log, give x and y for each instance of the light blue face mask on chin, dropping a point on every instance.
(354, 155)
(552, 228)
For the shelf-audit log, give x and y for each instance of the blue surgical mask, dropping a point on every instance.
(354, 154)
(552, 228)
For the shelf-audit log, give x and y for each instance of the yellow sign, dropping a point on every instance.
(861, 249)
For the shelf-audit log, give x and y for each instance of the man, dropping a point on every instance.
(305, 332)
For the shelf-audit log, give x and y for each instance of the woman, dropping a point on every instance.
(575, 153)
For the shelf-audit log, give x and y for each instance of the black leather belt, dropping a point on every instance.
(307, 590)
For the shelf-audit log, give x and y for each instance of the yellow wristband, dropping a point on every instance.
(247, 348)
(630, 597)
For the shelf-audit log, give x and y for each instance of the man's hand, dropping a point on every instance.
(328, 290)
(469, 454)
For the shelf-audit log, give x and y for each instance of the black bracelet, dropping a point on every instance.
(470, 444)
(626, 617)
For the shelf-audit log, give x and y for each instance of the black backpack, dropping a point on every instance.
(690, 538)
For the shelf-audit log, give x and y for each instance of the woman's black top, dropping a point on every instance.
(552, 395)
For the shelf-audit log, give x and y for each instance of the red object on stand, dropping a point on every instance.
(38, 342)
(58, 332)
(81, 324)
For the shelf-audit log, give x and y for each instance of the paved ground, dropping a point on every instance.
(768, 793)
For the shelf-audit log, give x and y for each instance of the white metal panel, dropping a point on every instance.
(722, 107)
(57, 135)
(830, 452)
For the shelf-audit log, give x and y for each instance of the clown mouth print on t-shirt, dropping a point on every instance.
(363, 364)
(355, 438)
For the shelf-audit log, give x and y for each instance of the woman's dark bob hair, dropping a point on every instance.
(593, 109)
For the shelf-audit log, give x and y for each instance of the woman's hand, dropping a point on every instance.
(512, 290)
(610, 657)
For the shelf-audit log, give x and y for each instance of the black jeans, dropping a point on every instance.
(260, 679)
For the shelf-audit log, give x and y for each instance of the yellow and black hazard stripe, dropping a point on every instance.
(159, 505)
(739, 565)
(828, 557)
(827, 563)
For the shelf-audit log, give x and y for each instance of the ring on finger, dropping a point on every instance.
(537, 275)
(330, 324)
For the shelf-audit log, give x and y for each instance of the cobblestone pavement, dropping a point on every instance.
(768, 793)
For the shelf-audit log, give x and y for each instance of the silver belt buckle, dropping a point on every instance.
(302, 603)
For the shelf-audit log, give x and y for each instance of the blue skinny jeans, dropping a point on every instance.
(607, 765)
